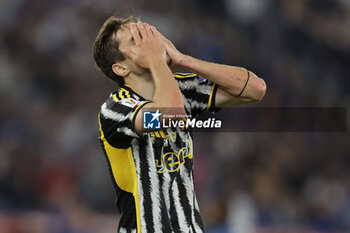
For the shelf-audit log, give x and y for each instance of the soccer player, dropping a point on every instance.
(153, 170)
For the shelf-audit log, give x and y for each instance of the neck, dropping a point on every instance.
(141, 84)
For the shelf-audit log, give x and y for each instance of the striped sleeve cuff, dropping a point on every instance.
(138, 108)
(211, 101)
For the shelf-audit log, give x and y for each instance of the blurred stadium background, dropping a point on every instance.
(53, 175)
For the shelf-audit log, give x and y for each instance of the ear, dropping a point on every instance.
(120, 69)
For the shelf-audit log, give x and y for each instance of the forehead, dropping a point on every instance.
(123, 32)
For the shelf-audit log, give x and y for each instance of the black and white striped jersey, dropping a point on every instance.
(153, 172)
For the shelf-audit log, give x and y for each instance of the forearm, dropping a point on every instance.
(167, 94)
(166, 97)
(230, 78)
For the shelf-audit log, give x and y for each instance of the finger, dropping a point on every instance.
(135, 33)
(142, 30)
(127, 52)
(148, 29)
(154, 31)
(163, 37)
(160, 35)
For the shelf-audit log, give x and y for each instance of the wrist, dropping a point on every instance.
(153, 63)
(159, 68)
(183, 61)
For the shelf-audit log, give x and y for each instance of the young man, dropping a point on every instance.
(153, 170)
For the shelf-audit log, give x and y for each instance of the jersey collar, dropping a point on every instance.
(133, 92)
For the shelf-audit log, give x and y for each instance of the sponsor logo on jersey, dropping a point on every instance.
(172, 161)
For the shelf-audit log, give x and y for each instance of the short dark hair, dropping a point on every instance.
(106, 49)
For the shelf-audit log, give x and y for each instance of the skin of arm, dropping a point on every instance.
(150, 53)
(230, 79)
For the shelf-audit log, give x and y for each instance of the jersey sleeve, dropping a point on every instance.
(199, 93)
(116, 121)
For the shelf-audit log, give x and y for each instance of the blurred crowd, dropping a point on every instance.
(53, 175)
